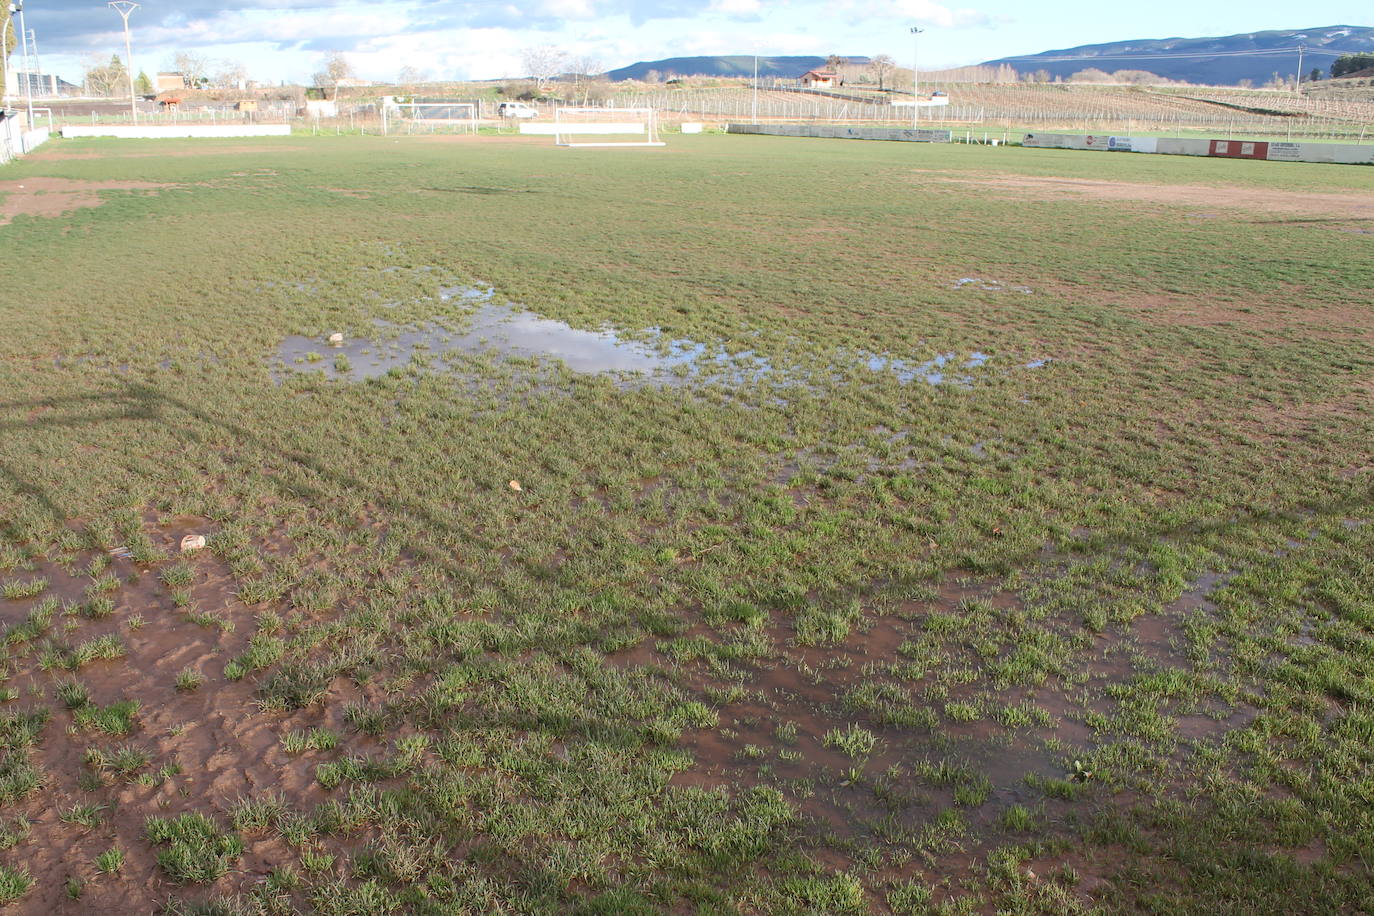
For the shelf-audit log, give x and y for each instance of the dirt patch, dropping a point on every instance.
(1264, 200)
(1290, 418)
(206, 747)
(51, 197)
(224, 148)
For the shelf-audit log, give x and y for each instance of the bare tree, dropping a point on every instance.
(194, 69)
(104, 78)
(229, 74)
(882, 66)
(1090, 75)
(410, 75)
(585, 70)
(334, 66)
(542, 63)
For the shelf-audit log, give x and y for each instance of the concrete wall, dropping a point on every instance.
(33, 139)
(15, 141)
(840, 132)
(1350, 153)
(1176, 146)
(159, 131)
(1100, 142)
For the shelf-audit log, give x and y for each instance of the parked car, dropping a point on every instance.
(516, 110)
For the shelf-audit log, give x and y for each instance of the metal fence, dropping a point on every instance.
(783, 105)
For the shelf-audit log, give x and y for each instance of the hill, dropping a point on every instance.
(725, 65)
(1220, 61)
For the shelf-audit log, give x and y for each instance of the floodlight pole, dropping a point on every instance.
(28, 77)
(915, 75)
(124, 8)
(756, 87)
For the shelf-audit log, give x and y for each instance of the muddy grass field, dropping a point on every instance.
(749, 526)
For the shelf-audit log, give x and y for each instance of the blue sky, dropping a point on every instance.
(285, 39)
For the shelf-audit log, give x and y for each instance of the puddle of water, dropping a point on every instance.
(506, 330)
(491, 328)
(934, 372)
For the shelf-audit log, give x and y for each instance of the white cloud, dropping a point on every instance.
(921, 12)
(737, 7)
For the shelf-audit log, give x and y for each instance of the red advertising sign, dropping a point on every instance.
(1239, 149)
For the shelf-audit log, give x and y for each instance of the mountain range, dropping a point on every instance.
(728, 65)
(1227, 60)
(1220, 61)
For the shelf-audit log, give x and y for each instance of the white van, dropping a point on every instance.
(516, 110)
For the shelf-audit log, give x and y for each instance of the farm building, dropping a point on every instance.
(820, 79)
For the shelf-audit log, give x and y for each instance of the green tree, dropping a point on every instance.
(1315, 76)
(143, 84)
(1351, 63)
(11, 39)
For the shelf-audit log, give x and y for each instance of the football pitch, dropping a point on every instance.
(751, 525)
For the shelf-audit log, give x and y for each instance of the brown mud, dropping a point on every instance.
(219, 744)
(49, 197)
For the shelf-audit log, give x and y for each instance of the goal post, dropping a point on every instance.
(430, 117)
(600, 127)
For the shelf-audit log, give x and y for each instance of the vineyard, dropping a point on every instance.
(1032, 106)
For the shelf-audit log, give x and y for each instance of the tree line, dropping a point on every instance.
(1351, 63)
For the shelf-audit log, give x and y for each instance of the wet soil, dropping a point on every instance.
(221, 745)
(50, 197)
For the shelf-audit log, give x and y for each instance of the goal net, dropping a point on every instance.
(431, 117)
(585, 127)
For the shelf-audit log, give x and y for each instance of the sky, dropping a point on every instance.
(280, 40)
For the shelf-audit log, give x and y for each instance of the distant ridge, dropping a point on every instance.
(728, 65)
(1224, 61)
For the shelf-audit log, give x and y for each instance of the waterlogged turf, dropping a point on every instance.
(1086, 626)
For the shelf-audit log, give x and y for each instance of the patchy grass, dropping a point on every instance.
(790, 629)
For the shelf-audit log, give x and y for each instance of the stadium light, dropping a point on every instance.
(124, 8)
(18, 7)
(756, 87)
(915, 75)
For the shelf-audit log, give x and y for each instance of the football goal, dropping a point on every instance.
(430, 117)
(587, 127)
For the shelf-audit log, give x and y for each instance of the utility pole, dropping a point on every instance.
(1297, 84)
(124, 8)
(756, 87)
(915, 75)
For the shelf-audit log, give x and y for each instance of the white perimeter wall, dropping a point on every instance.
(159, 131)
(1348, 153)
(15, 141)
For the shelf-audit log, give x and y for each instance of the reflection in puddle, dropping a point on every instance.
(490, 328)
(934, 372)
(505, 330)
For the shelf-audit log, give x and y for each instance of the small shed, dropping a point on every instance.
(820, 79)
(246, 105)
